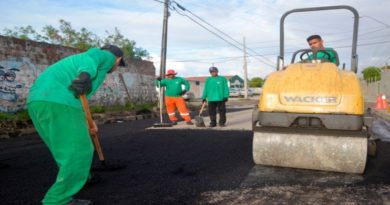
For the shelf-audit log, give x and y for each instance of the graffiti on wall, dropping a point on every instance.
(119, 88)
(109, 93)
(21, 61)
(16, 77)
(140, 88)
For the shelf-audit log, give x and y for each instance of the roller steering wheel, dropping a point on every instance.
(326, 55)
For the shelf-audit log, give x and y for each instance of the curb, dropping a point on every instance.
(383, 114)
(120, 119)
(99, 120)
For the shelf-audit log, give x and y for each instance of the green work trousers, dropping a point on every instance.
(65, 132)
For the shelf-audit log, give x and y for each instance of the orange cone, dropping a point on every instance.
(379, 103)
(384, 102)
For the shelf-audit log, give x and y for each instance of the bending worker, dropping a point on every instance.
(56, 111)
(173, 96)
(216, 92)
(315, 42)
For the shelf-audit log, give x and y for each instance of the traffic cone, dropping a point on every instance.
(384, 102)
(379, 103)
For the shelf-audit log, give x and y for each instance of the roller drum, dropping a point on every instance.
(338, 153)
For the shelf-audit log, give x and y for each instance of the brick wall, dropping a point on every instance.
(21, 61)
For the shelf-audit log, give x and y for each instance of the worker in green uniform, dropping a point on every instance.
(174, 96)
(315, 42)
(54, 106)
(216, 93)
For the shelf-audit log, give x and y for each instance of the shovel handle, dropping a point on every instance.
(201, 108)
(92, 125)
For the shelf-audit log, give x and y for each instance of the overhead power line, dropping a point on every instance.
(212, 26)
(225, 59)
(376, 20)
(158, 1)
(215, 33)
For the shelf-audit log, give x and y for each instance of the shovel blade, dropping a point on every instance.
(199, 121)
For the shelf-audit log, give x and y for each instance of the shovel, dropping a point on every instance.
(199, 119)
(96, 141)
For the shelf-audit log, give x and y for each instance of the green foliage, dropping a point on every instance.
(97, 109)
(256, 82)
(21, 115)
(372, 74)
(84, 39)
(118, 108)
(144, 106)
(385, 67)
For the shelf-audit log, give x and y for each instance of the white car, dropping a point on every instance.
(234, 92)
(250, 92)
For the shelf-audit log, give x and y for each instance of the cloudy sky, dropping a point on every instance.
(192, 49)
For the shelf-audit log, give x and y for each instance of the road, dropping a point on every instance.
(238, 120)
(189, 166)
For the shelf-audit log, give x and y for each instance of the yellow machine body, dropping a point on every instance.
(311, 113)
(312, 88)
(310, 116)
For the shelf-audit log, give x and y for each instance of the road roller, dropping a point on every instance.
(311, 113)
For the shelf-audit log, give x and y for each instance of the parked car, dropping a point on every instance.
(234, 92)
(188, 96)
(250, 92)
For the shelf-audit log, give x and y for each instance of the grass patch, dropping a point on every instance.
(21, 115)
(119, 108)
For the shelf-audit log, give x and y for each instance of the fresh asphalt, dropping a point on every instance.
(185, 166)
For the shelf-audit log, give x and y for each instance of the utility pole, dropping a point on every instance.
(245, 73)
(163, 54)
(164, 40)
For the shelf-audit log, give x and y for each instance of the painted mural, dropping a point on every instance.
(16, 77)
(21, 61)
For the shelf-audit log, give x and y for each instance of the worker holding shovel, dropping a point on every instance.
(216, 93)
(56, 111)
(173, 96)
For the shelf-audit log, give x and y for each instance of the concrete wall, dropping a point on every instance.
(371, 90)
(21, 61)
(197, 87)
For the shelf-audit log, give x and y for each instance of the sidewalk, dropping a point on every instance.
(383, 114)
(238, 120)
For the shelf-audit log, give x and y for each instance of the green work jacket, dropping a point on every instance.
(52, 85)
(215, 89)
(174, 86)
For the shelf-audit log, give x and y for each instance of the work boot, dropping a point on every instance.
(174, 122)
(80, 202)
(189, 123)
(212, 125)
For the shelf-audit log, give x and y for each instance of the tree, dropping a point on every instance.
(127, 45)
(256, 82)
(23, 33)
(84, 39)
(371, 74)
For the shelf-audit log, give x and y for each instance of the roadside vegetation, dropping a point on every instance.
(83, 39)
(372, 74)
(129, 107)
